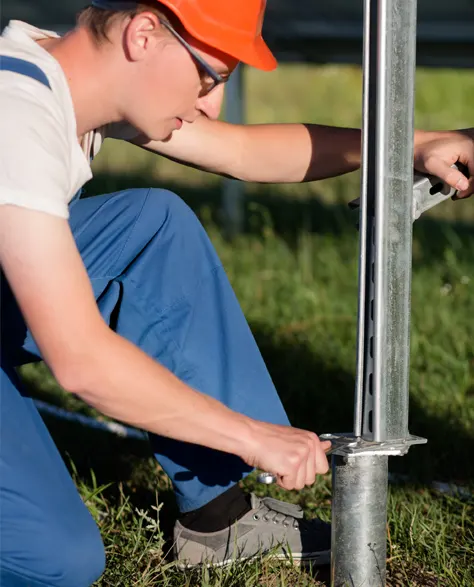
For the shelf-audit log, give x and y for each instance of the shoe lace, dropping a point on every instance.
(268, 514)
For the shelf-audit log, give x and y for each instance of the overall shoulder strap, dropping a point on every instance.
(30, 70)
(23, 68)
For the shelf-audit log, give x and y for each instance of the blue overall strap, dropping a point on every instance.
(30, 70)
(24, 68)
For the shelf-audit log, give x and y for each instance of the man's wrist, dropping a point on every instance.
(422, 136)
(232, 432)
(469, 132)
(246, 444)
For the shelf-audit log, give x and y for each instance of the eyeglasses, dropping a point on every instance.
(209, 76)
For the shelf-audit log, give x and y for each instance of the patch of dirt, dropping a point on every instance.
(414, 577)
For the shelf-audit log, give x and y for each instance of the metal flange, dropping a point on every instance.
(347, 445)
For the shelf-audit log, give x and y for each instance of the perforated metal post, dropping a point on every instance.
(360, 472)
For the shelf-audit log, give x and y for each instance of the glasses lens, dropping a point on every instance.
(208, 83)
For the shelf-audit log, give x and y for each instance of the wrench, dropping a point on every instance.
(428, 191)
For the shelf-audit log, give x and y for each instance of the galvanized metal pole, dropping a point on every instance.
(359, 499)
(234, 190)
(360, 470)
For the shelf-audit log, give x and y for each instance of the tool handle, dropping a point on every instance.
(266, 478)
(428, 191)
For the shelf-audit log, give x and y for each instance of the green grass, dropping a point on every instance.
(295, 273)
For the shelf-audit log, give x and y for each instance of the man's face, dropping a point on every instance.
(168, 85)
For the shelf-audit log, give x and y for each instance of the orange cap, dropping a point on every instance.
(231, 26)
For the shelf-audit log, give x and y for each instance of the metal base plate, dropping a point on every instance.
(348, 445)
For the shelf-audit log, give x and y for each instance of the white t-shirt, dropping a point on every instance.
(42, 164)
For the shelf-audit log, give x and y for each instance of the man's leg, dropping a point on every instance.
(159, 283)
(47, 536)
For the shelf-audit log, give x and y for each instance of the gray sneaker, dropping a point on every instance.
(271, 525)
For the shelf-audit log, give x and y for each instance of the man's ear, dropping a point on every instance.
(141, 34)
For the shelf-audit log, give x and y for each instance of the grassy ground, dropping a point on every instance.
(295, 273)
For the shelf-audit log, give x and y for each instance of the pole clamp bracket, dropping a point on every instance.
(347, 445)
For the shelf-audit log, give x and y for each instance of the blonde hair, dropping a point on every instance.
(98, 21)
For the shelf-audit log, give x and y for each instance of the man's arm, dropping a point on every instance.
(265, 153)
(45, 271)
(291, 153)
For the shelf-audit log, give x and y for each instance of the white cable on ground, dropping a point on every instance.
(128, 432)
(114, 427)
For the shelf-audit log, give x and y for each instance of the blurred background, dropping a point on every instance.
(294, 264)
(311, 31)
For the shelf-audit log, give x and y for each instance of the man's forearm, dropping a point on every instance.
(124, 383)
(281, 153)
(291, 153)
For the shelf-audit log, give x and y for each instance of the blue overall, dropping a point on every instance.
(159, 283)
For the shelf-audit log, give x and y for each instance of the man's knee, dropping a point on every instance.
(71, 555)
(174, 211)
(180, 233)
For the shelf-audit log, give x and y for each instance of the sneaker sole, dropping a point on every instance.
(317, 559)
